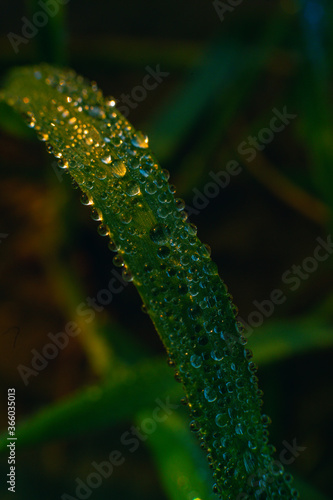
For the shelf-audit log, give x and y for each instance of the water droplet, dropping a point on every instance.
(146, 170)
(100, 173)
(110, 102)
(95, 214)
(62, 164)
(85, 199)
(132, 189)
(107, 159)
(180, 204)
(42, 136)
(139, 140)
(210, 394)
(196, 361)
(239, 429)
(113, 246)
(165, 174)
(191, 229)
(126, 218)
(150, 188)
(164, 211)
(221, 419)
(103, 230)
(127, 275)
(217, 355)
(118, 168)
(266, 420)
(96, 112)
(117, 141)
(249, 461)
(118, 261)
(163, 252)
(159, 234)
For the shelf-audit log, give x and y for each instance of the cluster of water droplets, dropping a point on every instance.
(159, 250)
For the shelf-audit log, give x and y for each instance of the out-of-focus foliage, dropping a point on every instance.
(225, 79)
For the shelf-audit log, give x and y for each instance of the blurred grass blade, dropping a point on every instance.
(129, 392)
(224, 63)
(182, 468)
(317, 125)
(12, 123)
(282, 339)
(307, 491)
(51, 39)
(133, 390)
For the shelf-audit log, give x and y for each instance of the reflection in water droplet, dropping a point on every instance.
(150, 188)
(159, 234)
(127, 275)
(95, 214)
(100, 173)
(118, 261)
(113, 246)
(85, 199)
(132, 189)
(139, 140)
(163, 252)
(118, 168)
(221, 419)
(107, 160)
(210, 394)
(196, 361)
(103, 230)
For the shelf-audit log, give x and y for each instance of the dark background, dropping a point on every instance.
(225, 77)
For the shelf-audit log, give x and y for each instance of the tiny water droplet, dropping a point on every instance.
(140, 140)
(150, 188)
(113, 246)
(132, 189)
(118, 261)
(221, 419)
(103, 230)
(127, 275)
(163, 252)
(159, 234)
(107, 160)
(85, 199)
(196, 361)
(95, 214)
(210, 394)
(118, 168)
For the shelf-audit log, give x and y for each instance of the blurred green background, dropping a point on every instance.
(226, 73)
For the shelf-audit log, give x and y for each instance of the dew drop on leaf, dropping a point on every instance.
(85, 200)
(139, 140)
(107, 159)
(159, 234)
(118, 168)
